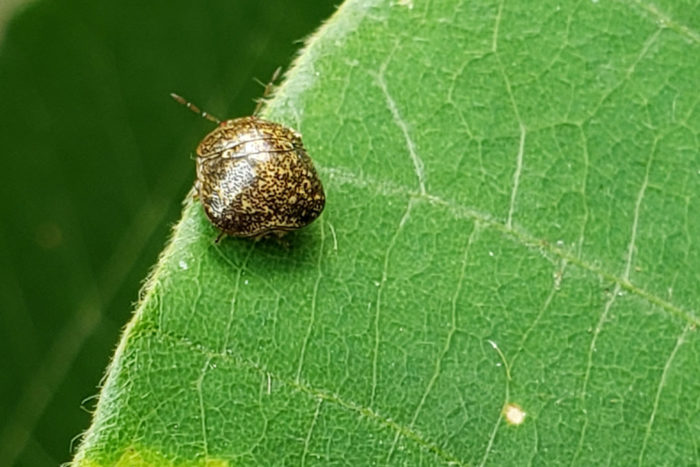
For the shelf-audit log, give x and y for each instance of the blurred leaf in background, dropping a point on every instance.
(96, 161)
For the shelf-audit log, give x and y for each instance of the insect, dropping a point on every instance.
(255, 178)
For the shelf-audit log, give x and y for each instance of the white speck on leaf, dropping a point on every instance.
(514, 414)
(183, 264)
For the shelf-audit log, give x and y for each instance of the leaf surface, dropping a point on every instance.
(511, 222)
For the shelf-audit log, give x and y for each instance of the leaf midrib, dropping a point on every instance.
(522, 237)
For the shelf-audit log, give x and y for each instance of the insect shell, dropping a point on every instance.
(254, 178)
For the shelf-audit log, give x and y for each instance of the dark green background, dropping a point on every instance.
(96, 160)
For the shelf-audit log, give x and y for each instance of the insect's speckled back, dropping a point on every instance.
(255, 177)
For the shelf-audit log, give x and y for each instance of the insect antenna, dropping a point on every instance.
(194, 108)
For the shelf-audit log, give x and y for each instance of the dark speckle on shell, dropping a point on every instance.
(254, 177)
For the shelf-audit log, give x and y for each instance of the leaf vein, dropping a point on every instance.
(506, 399)
(589, 366)
(666, 20)
(311, 430)
(584, 183)
(380, 288)
(236, 289)
(314, 298)
(448, 339)
(635, 219)
(516, 176)
(401, 123)
(202, 411)
(556, 286)
(659, 389)
(628, 73)
(518, 234)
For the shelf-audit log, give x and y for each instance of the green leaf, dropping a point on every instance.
(511, 223)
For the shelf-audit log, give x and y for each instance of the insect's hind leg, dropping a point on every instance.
(269, 87)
